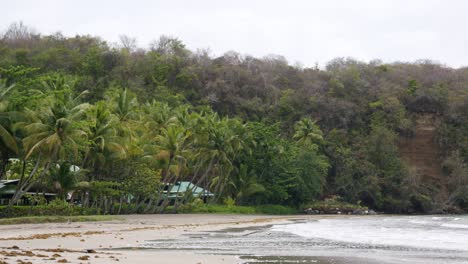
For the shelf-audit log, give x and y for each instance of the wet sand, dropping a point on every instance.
(104, 242)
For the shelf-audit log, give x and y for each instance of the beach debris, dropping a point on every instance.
(90, 251)
(83, 258)
(46, 236)
(25, 253)
(24, 262)
(312, 211)
(62, 261)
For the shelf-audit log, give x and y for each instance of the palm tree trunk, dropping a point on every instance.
(165, 181)
(3, 165)
(120, 204)
(25, 183)
(198, 183)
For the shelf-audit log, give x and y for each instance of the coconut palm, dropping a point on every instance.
(173, 144)
(54, 129)
(103, 143)
(8, 144)
(54, 133)
(156, 116)
(125, 105)
(221, 149)
(307, 132)
(63, 178)
(243, 184)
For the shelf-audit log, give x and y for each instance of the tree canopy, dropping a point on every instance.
(255, 130)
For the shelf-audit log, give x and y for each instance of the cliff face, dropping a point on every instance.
(421, 155)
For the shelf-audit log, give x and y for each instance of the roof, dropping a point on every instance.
(184, 186)
(8, 181)
(8, 187)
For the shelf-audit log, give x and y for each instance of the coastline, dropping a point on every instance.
(99, 242)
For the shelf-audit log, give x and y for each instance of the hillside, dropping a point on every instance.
(252, 131)
(422, 156)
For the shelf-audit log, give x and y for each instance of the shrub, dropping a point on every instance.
(232, 209)
(53, 208)
(275, 209)
(332, 203)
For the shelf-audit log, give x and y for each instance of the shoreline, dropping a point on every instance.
(99, 242)
(234, 239)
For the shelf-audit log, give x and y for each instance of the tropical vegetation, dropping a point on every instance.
(253, 131)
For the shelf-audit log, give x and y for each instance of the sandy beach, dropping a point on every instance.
(96, 242)
(252, 239)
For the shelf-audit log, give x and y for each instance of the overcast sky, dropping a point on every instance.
(302, 31)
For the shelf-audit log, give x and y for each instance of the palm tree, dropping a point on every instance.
(156, 116)
(125, 105)
(173, 142)
(308, 132)
(243, 184)
(104, 145)
(222, 146)
(54, 133)
(54, 127)
(8, 144)
(63, 178)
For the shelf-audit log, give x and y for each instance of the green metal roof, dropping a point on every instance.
(179, 188)
(8, 186)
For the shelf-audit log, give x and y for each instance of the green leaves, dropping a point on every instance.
(307, 132)
(253, 129)
(8, 140)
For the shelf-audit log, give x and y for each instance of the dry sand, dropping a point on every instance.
(88, 242)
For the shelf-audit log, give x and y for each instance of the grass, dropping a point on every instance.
(224, 209)
(56, 219)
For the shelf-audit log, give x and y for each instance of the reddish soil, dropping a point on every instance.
(421, 155)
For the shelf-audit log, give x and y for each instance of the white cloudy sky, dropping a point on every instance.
(303, 31)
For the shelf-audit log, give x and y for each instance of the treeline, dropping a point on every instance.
(252, 130)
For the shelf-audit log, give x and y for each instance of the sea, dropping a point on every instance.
(335, 240)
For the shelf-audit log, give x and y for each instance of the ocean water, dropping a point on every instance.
(419, 232)
(343, 239)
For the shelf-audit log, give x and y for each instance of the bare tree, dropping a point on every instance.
(128, 43)
(168, 45)
(18, 35)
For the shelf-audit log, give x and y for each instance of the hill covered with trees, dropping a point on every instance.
(251, 130)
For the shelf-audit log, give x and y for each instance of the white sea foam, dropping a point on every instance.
(455, 226)
(414, 232)
(420, 222)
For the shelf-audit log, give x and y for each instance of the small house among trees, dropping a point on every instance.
(8, 188)
(186, 189)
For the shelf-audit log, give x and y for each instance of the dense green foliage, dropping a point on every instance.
(223, 209)
(53, 209)
(257, 131)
